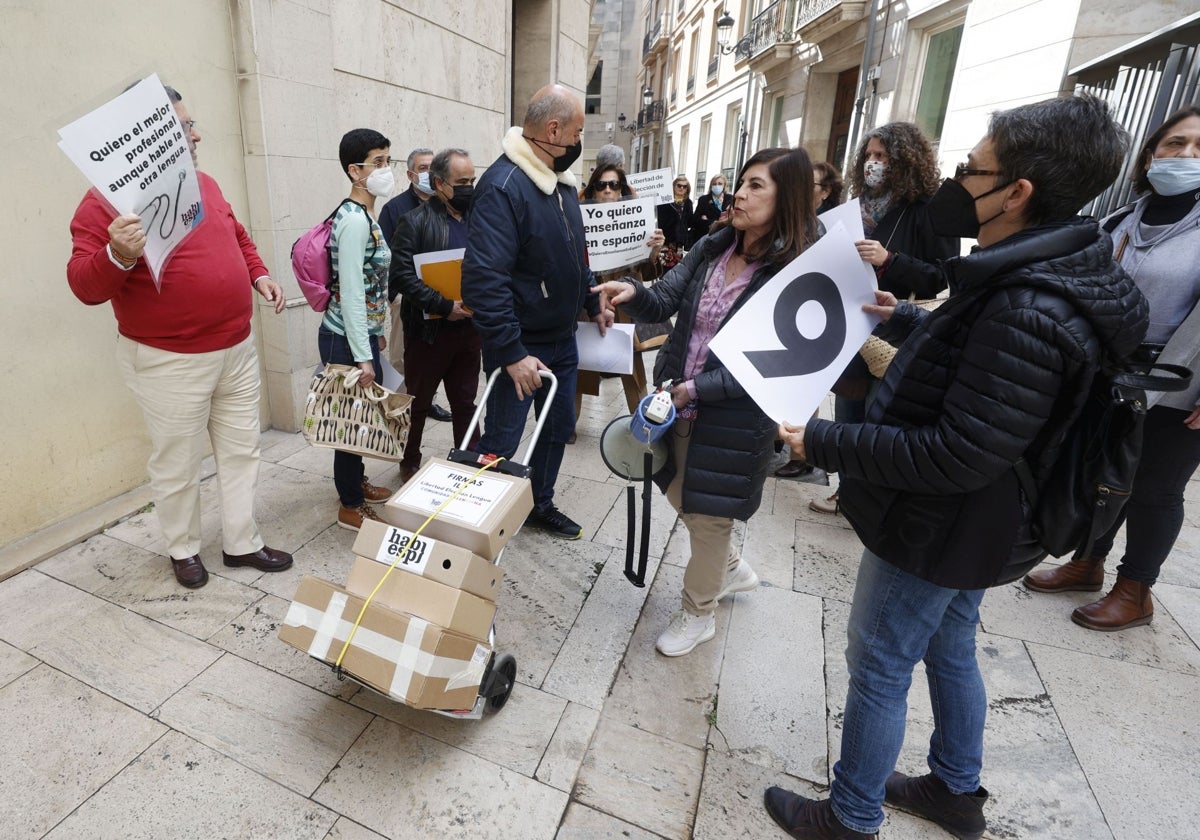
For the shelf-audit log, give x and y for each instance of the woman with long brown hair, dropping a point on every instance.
(721, 443)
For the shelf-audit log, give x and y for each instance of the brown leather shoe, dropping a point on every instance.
(266, 559)
(807, 819)
(1082, 574)
(190, 572)
(375, 494)
(352, 518)
(1127, 605)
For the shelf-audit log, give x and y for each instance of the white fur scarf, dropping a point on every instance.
(521, 153)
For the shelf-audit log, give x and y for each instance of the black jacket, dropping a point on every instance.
(676, 224)
(732, 440)
(707, 213)
(397, 206)
(999, 370)
(906, 232)
(427, 228)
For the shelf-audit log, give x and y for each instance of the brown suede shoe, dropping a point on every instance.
(1080, 574)
(352, 518)
(807, 819)
(371, 493)
(266, 559)
(1127, 605)
(190, 572)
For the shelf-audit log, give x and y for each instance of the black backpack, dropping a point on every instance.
(1090, 480)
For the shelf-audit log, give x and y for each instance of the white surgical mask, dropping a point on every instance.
(1174, 175)
(381, 182)
(423, 183)
(874, 172)
(717, 189)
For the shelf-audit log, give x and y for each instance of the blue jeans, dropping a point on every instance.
(348, 470)
(897, 620)
(506, 415)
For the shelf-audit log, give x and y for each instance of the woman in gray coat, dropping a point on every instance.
(1156, 243)
(721, 443)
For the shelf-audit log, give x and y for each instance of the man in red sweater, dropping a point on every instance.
(187, 354)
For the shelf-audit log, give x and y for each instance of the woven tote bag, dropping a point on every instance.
(340, 414)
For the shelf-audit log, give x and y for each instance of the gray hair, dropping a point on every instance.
(551, 103)
(1069, 148)
(440, 167)
(609, 156)
(412, 156)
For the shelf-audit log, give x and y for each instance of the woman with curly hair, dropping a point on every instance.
(895, 174)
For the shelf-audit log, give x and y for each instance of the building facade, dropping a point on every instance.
(273, 84)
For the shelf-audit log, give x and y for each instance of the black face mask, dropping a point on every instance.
(952, 210)
(561, 163)
(461, 200)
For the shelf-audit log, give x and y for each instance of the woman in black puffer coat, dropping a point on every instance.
(722, 443)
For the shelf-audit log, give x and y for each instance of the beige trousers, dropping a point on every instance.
(184, 396)
(711, 537)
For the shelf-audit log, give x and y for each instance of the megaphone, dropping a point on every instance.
(634, 448)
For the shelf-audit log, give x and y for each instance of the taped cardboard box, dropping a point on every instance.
(430, 558)
(443, 605)
(402, 656)
(483, 518)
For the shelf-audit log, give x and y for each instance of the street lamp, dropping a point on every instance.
(725, 33)
(621, 124)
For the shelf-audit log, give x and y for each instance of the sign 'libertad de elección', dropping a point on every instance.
(135, 152)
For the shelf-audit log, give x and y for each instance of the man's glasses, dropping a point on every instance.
(615, 186)
(188, 125)
(964, 169)
(379, 164)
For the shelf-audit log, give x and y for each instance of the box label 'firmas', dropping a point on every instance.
(438, 482)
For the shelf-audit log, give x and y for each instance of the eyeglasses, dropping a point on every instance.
(963, 170)
(378, 164)
(615, 186)
(188, 125)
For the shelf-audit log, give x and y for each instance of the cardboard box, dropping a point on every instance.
(443, 605)
(434, 559)
(482, 518)
(402, 656)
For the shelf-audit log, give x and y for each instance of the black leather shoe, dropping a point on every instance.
(265, 559)
(436, 412)
(927, 796)
(807, 819)
(190, 572)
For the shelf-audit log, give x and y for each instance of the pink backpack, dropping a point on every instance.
(312, 262)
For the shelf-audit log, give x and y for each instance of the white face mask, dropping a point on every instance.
(874, 172)
(1174, 175)
(717, 189)
(423, 183)
(381, 182)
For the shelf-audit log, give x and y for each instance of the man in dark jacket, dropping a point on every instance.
(441, 343)
(998, 372)
(525, 278)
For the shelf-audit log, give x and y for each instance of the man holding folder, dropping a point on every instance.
(440, 341)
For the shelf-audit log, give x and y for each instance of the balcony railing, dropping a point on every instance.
(653, 35)
(672, 97)
(809, 10)
(766, 29)
(713, 66)
(651, 114)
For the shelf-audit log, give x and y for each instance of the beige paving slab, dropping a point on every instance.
(318, 460)
(1134, 731)
(289, 732)
(254, 636)
(584, 823)
(771, 699)
(14, 663)
(345, 829)
(278, 446)
(180, 788)
(564, 754)
(614, 529)
(516, 737)
(582, 458)
(329, 555)
(1038, 789)
(1046, 619)
(292, 506)
(669, 696)
(770, 548)
(62, 740)
(586, 663)
(827, 558)
(641, 778)
(1183, 604)
(589, 502)
(406, 785)
(117, 651)
(102, 559)
(546, 582)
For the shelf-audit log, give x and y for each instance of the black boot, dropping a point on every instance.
(807, 819)
(927, 796)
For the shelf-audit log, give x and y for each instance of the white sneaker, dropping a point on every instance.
(685, 632)
(743, 579)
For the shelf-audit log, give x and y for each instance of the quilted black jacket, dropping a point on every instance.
(1000, 369)
(732, 440)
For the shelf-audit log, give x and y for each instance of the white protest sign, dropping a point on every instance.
(617, 232)
(788, 344)
(849, 214)
(610, 353)
(438, 482)
(653, 184)
(135, 152)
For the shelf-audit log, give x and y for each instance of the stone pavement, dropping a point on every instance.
(133, 708)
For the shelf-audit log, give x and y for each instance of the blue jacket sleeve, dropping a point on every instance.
(494, 241)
